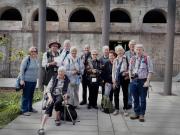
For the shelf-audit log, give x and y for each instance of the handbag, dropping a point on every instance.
(18, 86)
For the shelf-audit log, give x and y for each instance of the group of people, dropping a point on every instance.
(64, 70)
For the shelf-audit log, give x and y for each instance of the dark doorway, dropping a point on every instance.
(114, 43)
(154, 17)
(11, 15)
(82, 15)
(119, 16)
(51, 15)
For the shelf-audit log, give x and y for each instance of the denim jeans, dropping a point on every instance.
(139, 94)
(27, 96)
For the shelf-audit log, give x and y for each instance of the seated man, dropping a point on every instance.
(57, 93)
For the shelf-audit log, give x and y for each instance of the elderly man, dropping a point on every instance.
(130, 54)
(94, 71)
(64, 53)
(57, 93)
(85, 58)
(103, 60)
(48, 63)
(140, 72)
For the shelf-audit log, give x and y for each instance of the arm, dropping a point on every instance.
(45, 60)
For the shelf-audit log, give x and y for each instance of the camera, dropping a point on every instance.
(134, 76)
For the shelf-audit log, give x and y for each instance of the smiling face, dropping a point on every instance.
(54, 47)
(33, 52)
(94, 54)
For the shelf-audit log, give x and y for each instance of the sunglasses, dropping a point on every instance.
(94, 54)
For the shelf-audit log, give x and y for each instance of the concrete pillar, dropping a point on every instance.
(105, 22)
(42, 36)
(170, 47)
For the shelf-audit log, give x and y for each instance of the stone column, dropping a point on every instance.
(105, 22)
(170, 47)
(42, 36)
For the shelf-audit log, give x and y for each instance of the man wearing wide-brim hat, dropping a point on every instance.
(48, 64)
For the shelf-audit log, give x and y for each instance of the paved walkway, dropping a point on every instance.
(162, 118)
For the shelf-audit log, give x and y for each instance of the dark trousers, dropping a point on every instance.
(85, 85)
(57, 104)
(93, 94)
(124, 86)
(27, 96)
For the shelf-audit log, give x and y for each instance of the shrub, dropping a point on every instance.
(10, 105)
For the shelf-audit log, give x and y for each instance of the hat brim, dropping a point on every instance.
(59, 45)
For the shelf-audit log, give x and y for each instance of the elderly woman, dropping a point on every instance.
(57, 93)
(29, 74)
(74, 68)
(119, 78)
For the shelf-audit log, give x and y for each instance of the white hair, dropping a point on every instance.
(73, 48)
(105, 47)
(94, 51)
(119, 47)
(62, 69)
(67, 41)
(87, 46)
(132, 42)
(139, 46)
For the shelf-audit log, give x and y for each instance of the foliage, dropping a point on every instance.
(10, 105)
(4, 41)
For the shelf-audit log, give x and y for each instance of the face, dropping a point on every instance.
(131, 47)
(94, 55)
(61, 74)
(120, 52)
(86, 49)
(54, 47)
(106, 52)
(139, 50)
(67, 46)
(73, 53)
(33, 52)
(111, 57)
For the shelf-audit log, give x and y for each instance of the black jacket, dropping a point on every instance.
(108, 72)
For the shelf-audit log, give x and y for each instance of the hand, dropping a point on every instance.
(22, 82)
(65, 96)
(74, 72)
(146, 84)
(50, 99)
(52, 63)
(94, 71)
(114, 85)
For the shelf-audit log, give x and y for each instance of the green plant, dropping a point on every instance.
(10, 105)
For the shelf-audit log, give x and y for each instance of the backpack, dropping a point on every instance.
(72, 112)
(106, 105)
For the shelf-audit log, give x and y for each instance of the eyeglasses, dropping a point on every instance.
(33, 51)
(94, 54)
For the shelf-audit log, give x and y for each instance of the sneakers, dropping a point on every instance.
(141, 118)
(26, 114)
(116, 112)
(134, 116)
(125, 113)
(57, 122)
(41, 131)
(82, 103)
